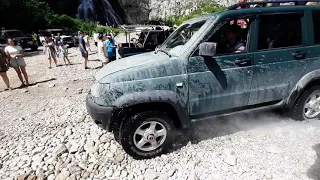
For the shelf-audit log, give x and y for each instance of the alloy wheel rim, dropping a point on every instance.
(312, 106)
(150, 136)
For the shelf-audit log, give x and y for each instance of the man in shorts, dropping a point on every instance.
(83, 49)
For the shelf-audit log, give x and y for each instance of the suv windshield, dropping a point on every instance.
(13, 34)
(181, 36)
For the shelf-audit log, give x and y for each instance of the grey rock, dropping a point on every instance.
(74, 148)
(52, 85)
(37, 150)
(171, 171)
(104, 138)
(60, 150)
(151, 174)
(63, 175)
(231, 160)
(109, 173)
(273, 149)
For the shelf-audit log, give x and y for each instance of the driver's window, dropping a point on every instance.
(232, 36)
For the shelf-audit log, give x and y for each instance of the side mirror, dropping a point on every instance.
(207, 49)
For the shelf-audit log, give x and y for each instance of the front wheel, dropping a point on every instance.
(308, 105)
(147, 135)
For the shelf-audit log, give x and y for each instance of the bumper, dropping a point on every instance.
(101, 115)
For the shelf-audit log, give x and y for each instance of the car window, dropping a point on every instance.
(232, 37)
(280, 31)
(316, 26)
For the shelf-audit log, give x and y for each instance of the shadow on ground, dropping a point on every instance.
(222, 126)
(33, 53)
(314, 171)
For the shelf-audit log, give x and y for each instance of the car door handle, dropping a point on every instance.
(242, 62)
(299, 55)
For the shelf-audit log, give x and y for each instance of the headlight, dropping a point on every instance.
(99, 89)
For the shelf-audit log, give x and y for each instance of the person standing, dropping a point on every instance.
(87, 41)
(83, 49)
(111, 45)
(15, 55)
(102, 53)
(50, 51)
(64, 51)
(96, 38)
(4, 66)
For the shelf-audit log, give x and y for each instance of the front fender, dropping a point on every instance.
(300, 86)
(157, 96)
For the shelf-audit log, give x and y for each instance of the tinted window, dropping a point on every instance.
(316, 26)
(280, 31)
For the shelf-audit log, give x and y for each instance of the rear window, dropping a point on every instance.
(316, 26)
(280, 31)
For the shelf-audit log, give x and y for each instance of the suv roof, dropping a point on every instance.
(11, 30)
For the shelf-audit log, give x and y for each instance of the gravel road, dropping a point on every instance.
(46, 133)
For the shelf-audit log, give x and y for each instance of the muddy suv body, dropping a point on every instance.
(143, 99)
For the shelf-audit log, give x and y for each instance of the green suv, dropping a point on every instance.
(235, 60)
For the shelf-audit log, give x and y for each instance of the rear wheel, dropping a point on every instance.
(147, 135)
(308, 105)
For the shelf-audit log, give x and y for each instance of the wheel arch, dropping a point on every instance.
(308, 81)
(164, 101)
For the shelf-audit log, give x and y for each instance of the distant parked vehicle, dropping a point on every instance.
(3, 43)
(65, 37)
(150, 36)
(21, 39)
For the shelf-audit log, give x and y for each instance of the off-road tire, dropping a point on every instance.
(129, 127)
(116, 133)
(296, 112)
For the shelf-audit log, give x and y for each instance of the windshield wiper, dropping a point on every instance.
(164, 51)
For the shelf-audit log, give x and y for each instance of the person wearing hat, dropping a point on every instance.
(111, 48)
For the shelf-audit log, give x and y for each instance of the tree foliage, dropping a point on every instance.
(33, 15)
(205, 7)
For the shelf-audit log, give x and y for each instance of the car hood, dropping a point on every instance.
(129, 62)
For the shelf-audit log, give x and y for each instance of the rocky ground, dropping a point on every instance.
(46, 131)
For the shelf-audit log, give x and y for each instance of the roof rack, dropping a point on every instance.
(264, 3)
(140, 28)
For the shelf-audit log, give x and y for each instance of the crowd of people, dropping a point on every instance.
(53, 48)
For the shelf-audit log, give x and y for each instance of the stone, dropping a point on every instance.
(52, 85)
(22, 177)
(51, 177)
(63, 175)
(273, 149)
(83, 165)
(104, 138)
(150, 174)
(109, 173)
(231, 160)
(74, 148)
(109, 155)
(123, 174)
(117, 173)
(32, 177)
(79, 91)
(37, 150)
(65, 89)
(171, 171)
(60, 150)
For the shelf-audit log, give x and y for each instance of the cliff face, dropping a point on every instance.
(142, 10)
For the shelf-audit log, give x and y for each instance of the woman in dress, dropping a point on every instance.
(50, 51)
(102, 53)
(4, 66)
(15, 55)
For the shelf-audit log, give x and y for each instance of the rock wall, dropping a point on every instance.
(143, 10)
